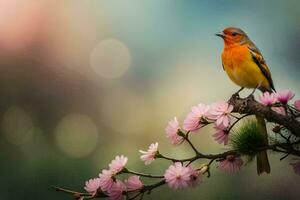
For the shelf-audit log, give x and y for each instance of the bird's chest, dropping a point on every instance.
(235, 58)
(237, 63)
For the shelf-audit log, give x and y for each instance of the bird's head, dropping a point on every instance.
(232, 35)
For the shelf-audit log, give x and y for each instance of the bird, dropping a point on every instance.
(246, 67)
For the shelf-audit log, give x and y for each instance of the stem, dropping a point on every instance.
(286, 155)
(193, 147)
(127, 171)
(286, 139)
(234, 123)
(186, 138)
(149, 188)
(59, 189)
(173, 159)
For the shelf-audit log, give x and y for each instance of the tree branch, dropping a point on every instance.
(250, 106)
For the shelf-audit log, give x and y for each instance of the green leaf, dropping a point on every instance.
(247, 140)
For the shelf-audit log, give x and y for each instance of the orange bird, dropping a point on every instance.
(246, 67)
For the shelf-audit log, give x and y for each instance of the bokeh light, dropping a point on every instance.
(21, 23)
(76, 135)
(17, 125)
(110, 58)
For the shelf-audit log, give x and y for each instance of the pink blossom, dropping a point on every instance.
(118, 164)
(192, 121)
(92, 186)
(221, 135)
(172, 131)
(220, 112)
(116, 191)
(178, 176)
(231, 164)
(106, 179)
(297, 104)
(279, 110)
(133, 183)
(149, 155)
(195, 177)
(284, 96)
(267, 99)
(296, 167)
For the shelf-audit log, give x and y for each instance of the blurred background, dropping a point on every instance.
(83, 81)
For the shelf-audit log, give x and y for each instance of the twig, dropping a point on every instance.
(234, 123)
(60, 189)
(127, 171)
(286, 155)
(192, 146)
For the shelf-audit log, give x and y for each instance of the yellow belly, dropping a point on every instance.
(243, 71)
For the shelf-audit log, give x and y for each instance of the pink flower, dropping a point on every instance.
(231, 164)
(220, 112)
(279, 110)
(221, 136)
(172, 131)
(267, 99)
(92, 186)
(133, 183)
(149, 155)
(297, 104)
(195, 177)
(296, 167)
(284, 96)
(192, 121)
(106, 179)
(116, 191)
(118, 164)
(178, 176)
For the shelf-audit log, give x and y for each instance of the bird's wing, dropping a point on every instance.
(261, 63)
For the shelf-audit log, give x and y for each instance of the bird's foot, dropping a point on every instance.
(251, 95)
(237, 94)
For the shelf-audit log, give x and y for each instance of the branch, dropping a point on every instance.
(247, 106)
(250, 106)
(287, 149)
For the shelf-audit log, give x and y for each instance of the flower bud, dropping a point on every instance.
(204, 169)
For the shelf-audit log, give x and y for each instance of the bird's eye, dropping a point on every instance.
(234, 34)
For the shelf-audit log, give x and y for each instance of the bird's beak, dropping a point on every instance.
(221, 34)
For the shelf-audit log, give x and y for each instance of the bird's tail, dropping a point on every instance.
(262, 157)
(262, 163)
